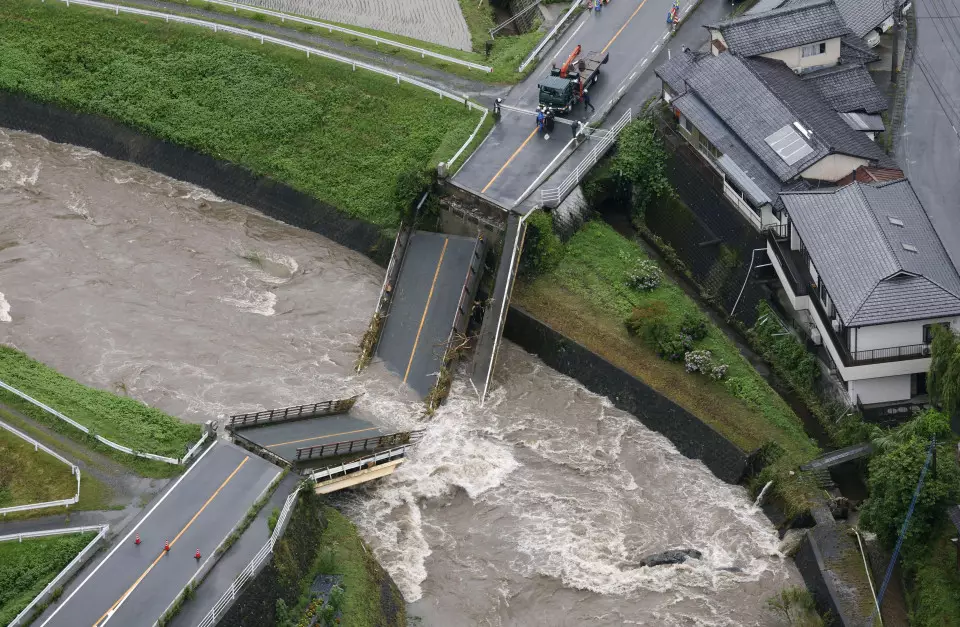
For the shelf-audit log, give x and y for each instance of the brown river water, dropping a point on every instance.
(532, 509)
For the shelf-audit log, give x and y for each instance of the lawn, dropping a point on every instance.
(587, 299)
(119, 419)
(27, 567)
(505, 57)
(28, 476)
(338, 135)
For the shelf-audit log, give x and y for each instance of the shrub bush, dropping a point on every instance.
(702, 361)
(644, 315)
(675, 346)
(645, 275)
(694, 325)
(542, 250)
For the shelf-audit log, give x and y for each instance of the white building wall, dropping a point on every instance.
(881, 390)
(795, 60)
(897, 334)
(833, 167)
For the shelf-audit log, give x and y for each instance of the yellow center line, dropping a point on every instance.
(429, 298)
(320, 437)
(172, 542)
(625, 24)
(515, 153)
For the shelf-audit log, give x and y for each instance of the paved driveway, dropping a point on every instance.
(929, 150)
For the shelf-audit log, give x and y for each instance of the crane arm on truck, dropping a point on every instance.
(566, 64)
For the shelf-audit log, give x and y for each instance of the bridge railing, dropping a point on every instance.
(252, 568)
(287, 414)
(366, 444)
(357, 465)
(553, 197)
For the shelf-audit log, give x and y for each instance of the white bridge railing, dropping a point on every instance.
(549, 36)
(346, 468)
(553, 197)
(423, 52)
(64, 574)
(229, 596)
(102, 440)
(309, 50)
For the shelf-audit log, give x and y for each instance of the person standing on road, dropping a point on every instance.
(586, 100)
(540, 118)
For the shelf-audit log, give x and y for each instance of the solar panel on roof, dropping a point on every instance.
(788, 143)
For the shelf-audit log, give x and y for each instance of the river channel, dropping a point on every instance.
(532, 509)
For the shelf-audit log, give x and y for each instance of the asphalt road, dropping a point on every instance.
(424, 305)
(513, 155)
(133, 585)
(285, 438)
(929, 149)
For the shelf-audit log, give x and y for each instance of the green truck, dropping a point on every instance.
(565, 85)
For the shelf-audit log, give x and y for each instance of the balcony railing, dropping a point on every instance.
(788, 262)
(894, 353)
(864, 358)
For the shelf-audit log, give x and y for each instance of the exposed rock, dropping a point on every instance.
(840, 508)
(676, 556)
(790, 543)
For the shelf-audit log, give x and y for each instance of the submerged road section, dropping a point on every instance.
(513, 156)
(134, 584)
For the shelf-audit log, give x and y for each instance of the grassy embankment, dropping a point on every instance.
(122, 420)
(933, 581)
(586, 298)
(28, 476)
(27, 567)
(505, 57)
(337, 135)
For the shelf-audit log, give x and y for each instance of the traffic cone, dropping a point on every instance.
(197, 554)
(137, 540)
(166, 546)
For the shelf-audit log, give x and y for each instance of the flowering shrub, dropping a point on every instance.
(645, 276)
(702, 361)
(694, 325)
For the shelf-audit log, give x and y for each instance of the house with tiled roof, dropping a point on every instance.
(763, 128)
(860, 16)
(865, 266)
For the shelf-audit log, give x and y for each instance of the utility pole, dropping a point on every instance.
(895, 57)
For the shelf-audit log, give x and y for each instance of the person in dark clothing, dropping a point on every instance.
(586, 100)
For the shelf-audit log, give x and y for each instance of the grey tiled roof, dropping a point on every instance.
(860, 255)
(735, 95)
(814, 112)
(853, 50)
(720, 136)
(863, 15)
(847, 88)
(793, 25)
(762, 6)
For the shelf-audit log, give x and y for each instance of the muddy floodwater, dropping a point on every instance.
(533, 509)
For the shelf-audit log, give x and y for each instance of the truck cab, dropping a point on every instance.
(557, 93)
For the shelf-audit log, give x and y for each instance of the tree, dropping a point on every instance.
(641, 160)
(542, 249)
(945, 369)
(893, 478)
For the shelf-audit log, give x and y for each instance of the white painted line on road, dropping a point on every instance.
(643, 61)
(567, 42)
(655, 48)
(132, 531)
(631, 76)
(622, 87)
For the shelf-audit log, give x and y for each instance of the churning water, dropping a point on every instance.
(533, 509)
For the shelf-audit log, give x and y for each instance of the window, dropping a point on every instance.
(686, 123)
(709, 148)
(814, 49)
(928, 330)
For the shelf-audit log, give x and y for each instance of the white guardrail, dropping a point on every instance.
(248, 573)
(102, 440)
(553, 33)
(553, 197)
(37, 446)
(68, 570)
(309, 50)
(423, 52)
(328, 473)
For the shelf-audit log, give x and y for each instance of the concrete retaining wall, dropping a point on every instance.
(689, 434)
(225, 179)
